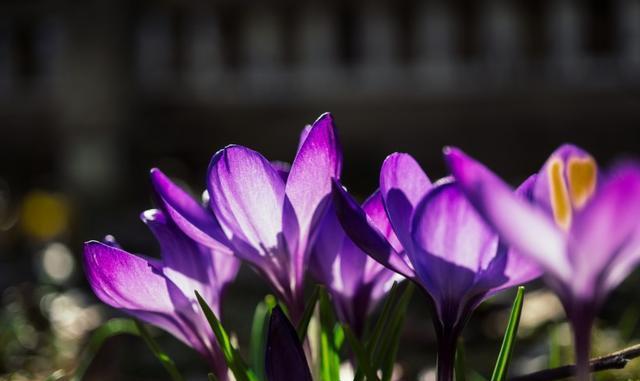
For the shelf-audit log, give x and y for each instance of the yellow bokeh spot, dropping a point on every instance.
(559, 195)
(44, 215)
(582, 174)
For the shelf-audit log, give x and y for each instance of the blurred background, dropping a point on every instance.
(94, 93)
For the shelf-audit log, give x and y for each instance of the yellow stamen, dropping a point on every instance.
(559, 195)
(582, 174)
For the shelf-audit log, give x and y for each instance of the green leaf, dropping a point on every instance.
(502, 364)
(384, 316)
(259, 334)
(372, 341)
(234, 361)
(555, 348)
(308, 312)
(329, 340)
(212, 377)
(460, 362)
(166, 361)
(361, 355)
(391, 341)
(113, 327)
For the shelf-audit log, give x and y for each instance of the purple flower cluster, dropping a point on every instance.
(462, 239)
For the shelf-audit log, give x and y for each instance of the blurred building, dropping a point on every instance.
(82, 82)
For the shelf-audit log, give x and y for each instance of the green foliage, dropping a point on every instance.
(504, 358)
(166, 361)
(234, 361)
(303, 326)
(113, 327)
(555, 349)
(390, 342)
(380, 350)
(331, 339)
(259, 334)
(361, 355)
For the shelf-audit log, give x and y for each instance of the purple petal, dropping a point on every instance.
(353, 267)
(247, 195)
(309, 183)
(446, 225)
(373, 207)
(363, 232)
(521, 225)
(520, 269)
(402, 184)
(197, 222)
(603, 230)
(326, 251)
(284, 358)
(453, 248)
(189, 265)
(178, 251)
(303, 135)
(132, 284)
(355, 280)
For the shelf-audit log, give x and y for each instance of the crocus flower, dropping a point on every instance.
(161, 292)
(284, 358)
(355, 281)
(271, 216)
(434, 237)
(581, 226)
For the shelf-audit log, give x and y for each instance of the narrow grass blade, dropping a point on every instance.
(308, 312)
(391, 341)
(329, 349)
(259, 334)
(372, 341)
(384, 316)
(555, 348)
(502, 364)
(113, 327)
(361, 355)
(166, 361)
(235, 362)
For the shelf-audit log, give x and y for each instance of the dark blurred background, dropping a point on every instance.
(95, 93)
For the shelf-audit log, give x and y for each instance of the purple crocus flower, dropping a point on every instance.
(581, 226)
(355, 281)
(440, 242)
(271, 216)
(284, 358)
(161, 292)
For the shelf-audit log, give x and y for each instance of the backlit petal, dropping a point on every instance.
(402, 185)
(308, 188)
(196, 221)
(362, 231)
(247, 195)
(520, 224)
